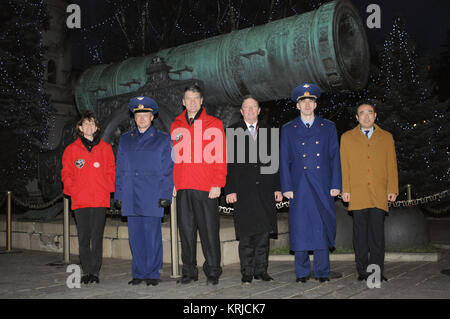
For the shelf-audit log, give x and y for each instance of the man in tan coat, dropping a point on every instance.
(369, 181)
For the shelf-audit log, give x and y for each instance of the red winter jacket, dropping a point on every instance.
(206, 165)
(88, 178)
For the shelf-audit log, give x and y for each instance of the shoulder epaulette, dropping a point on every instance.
(288, 123)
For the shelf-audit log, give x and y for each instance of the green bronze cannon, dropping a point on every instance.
(327, 46)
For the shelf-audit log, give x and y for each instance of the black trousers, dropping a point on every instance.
(254, 254)
(368, 238)
(90, 226)
(196, 212)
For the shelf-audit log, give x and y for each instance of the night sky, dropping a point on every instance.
(427, 23)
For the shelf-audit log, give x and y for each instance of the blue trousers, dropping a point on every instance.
(146, 246)
(321, 263)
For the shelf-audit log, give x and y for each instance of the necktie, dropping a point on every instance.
(308, 125)
(252, 131)
(367, 133)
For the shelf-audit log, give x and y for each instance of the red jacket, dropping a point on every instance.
(199, 152)
(88, 177)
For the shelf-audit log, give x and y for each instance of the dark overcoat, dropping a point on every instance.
(254, 211)
(310, 167)
(144, 172)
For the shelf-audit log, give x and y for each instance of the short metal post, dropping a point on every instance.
(66, 237)
(8, 226)
(174, 239)
(66, 232)
(8, 223)
(408, 191)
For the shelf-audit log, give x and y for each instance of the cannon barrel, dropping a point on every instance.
(327, 46)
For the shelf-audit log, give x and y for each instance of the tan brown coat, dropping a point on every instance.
(369, 168)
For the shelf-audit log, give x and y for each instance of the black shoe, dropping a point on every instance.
(247, 279)
(94, 279)
(263, 277)
(302, 279)
(153, 282)
(187, 279)
(212, 281)
(135, 281)
(85, 279)
(323, 279)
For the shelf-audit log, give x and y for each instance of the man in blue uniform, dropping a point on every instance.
(310, 173)
(144, 184)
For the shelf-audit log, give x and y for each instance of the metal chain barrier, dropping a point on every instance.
(230, 210)
(113, 212)
(36, 206)
(30, 205)
(404, 203)
(420, 201)
(226, 210)
(281, 205)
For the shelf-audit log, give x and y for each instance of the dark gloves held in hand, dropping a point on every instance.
(164, 202)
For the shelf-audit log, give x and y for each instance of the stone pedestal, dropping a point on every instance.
(48, 236)
(404, 227)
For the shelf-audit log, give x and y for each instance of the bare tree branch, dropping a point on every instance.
(121, 20)
(270, 17)
(239, 14)
(220, 18)
(174, 12)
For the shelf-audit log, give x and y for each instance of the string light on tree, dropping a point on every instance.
(24, 106)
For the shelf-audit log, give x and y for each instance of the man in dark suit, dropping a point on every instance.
(252, 192)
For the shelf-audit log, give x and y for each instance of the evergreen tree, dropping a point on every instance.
(24, 107)
(443, 71)
(408, 108)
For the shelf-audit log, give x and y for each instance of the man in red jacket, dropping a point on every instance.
(200, 171)
(88, 175)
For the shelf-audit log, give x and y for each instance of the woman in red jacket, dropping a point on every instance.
(88, 175)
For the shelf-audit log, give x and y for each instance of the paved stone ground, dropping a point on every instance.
(27, 275)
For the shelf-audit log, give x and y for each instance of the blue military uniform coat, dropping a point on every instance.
(144, 172)
(310, 167)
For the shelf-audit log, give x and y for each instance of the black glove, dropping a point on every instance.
(164, 202)
(118, 204)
